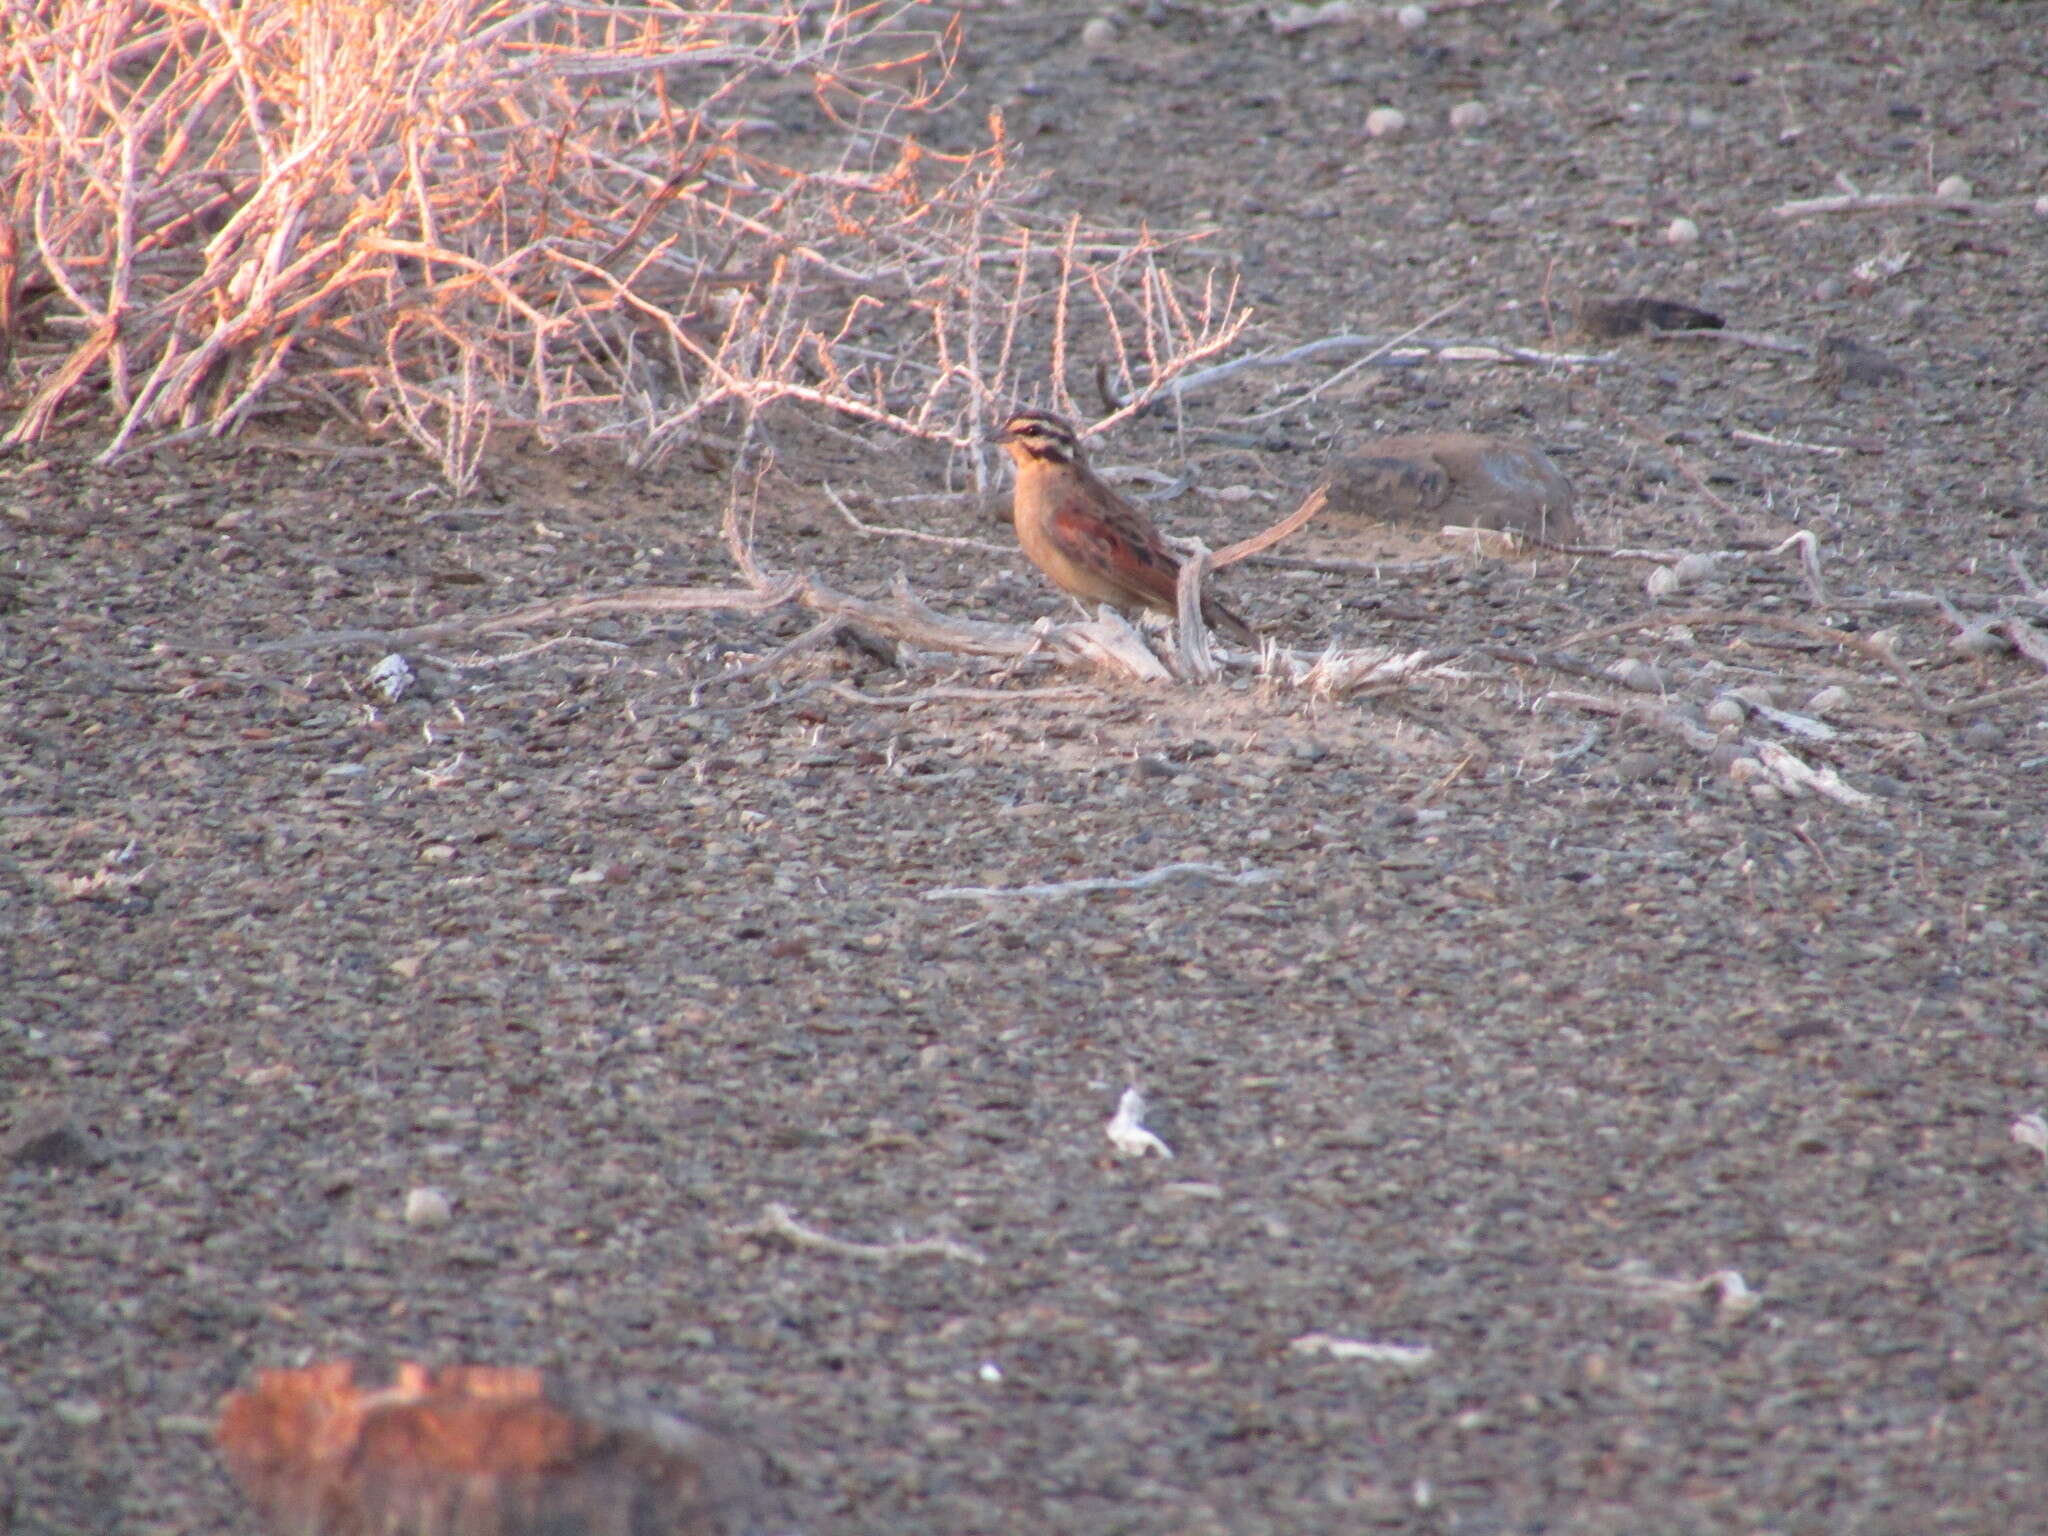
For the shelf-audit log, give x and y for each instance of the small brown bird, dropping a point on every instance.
(1463, 479)
(1089, 540)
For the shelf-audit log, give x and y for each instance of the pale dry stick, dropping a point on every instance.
(1762, 341)
(1376, 569)
(777, 1220)
(1993, 700)
(957, 695)
(1514, 540)
(1347, 370)
(1258, 543)
(1765, 440)
(1896, 202)
(1212, 337)
(809, 640)
(1657, 442)
(1062, 888)
(1202, 378)
(880, 530)
(1190, 633)
(482, 663)
(2026, 638)
(2029, 587)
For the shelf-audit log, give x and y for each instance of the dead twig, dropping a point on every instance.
(878, 530)
(1897, 202)
(1062, 888)
(777, 1220)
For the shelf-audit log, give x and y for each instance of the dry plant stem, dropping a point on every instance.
(777, 1220)
(337, 204)
(1309, 397)
(1998, 698)
(1376, 569)
(1190, 634)
(1063, 888)
(1895, 202)
(1862, 645)
(944, 695)
(1763, 440)
(1656, 440)
(1381, 346)
(1258, 543)
(1762, 341)
(817, 635)
(877, 530)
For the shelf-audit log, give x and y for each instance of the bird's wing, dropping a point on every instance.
(1118, 545)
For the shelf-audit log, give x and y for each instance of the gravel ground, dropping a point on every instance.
(1515, 1028)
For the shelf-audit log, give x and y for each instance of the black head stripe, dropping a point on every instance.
(1042, 436)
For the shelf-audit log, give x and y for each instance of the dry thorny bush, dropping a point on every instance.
(455, 217)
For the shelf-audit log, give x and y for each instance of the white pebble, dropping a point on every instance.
(78, 1412)
(1748, 770)
(1661, 582)
(1382, 122)
(1826, 700)
(391, 677)
(1098, 32)
(1632, 672)
(1469, 116)
(1726, 710)
(1954, 186)
(2041, 205)
(1695, 567)
(427, 1207)
(1682, 231)
(2030, 1130)
(1412, 17)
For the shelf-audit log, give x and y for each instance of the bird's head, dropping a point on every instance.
(1039, 437)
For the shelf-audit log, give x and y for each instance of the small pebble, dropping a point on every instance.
(1983, 737)
(1826, 700)
(1954, 186)
(1469, 116)
(1383, 122)
(1661, 582)
(78, 1412)
(1632, 672)
(1699, 119)
(1727, 710)
(1638, 767)
(1098, 32)
(1412, 17)
(2041, 205)
(1682, 231)
(427, 1207)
